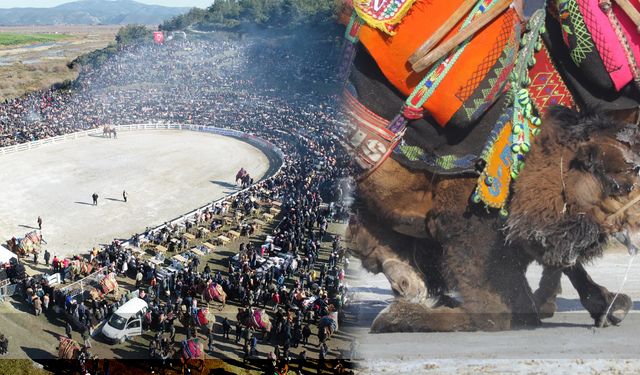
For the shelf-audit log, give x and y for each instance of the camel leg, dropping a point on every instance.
(549, 288)
(597, 299)
(380, 251)
(489, 277)
(482, 308)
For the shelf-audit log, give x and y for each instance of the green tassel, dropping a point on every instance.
(538, 46)
(475, 198)
(520, 166)
(517, 129)
(535, 120)
(504, 213)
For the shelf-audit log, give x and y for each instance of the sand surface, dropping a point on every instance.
(165, 173)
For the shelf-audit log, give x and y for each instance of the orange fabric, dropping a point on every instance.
(392, 52)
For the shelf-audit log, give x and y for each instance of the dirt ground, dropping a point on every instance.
(565, 344)
(27, 68)
(56, 182)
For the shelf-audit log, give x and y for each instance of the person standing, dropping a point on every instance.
(321, 357)
(68, 330)
(172, 332)
(47, 256)
(86, 336)
(139, 278)
(302, 359)
(95, 199)
(35, 257)
(45, 302)
(124, 196)
(226, 328)
(306, 332)
(37, 305)
(253, 351)
(210, 337)
(39, 222)
(238, 332)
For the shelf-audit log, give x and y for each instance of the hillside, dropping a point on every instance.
(90, 12)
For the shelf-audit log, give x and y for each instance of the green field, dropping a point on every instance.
(15, 39)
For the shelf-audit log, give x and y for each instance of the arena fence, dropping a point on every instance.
(86, 283)
(148, 126)
(254, 140)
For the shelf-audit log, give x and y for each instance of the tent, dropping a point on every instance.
(5, 255)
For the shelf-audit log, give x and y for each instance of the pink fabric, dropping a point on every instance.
(607, 43)
(629, 28)
(257, 316)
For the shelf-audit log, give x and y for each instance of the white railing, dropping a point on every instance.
(45, 141)
(146, 126)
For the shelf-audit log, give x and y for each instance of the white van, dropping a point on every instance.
(126, 321)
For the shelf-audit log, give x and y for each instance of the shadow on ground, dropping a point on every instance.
(88, 204)
(225, 185)
(28, 226)
(35, 353)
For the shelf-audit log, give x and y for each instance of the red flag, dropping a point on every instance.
(158, 37)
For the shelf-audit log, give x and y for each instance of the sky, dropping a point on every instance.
(52, 3)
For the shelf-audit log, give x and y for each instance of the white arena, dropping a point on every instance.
(166, 173)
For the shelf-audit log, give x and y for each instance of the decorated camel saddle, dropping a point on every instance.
(255, 318)
(214, 292)
(30, 243)
(67, 348)
(329, 323)
(464, 93)
(107, 285)
(192, 349)
(81, 267)
(202, 317)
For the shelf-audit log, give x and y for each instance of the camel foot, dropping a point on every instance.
(404, 316)
(617, 313)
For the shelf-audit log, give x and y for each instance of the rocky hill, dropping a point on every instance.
(90, 12)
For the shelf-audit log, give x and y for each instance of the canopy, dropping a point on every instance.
(5, 255)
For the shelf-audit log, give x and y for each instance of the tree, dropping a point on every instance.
(232, 14)
(131, 34)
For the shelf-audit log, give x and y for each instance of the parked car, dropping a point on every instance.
(126, 322)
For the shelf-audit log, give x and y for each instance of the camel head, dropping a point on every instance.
(578, 190)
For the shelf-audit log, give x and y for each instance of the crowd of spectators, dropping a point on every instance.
(237, 84)
(282, 94)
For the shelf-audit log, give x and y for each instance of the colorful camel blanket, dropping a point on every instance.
(383, 15)
(31, 242)
(191, 349)
(109, 283)
(214, 291)
(329, 321)
(603, 41)
(67, 348)
(200, 317)
(458, 88)
(81, 267)
(261, 320)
